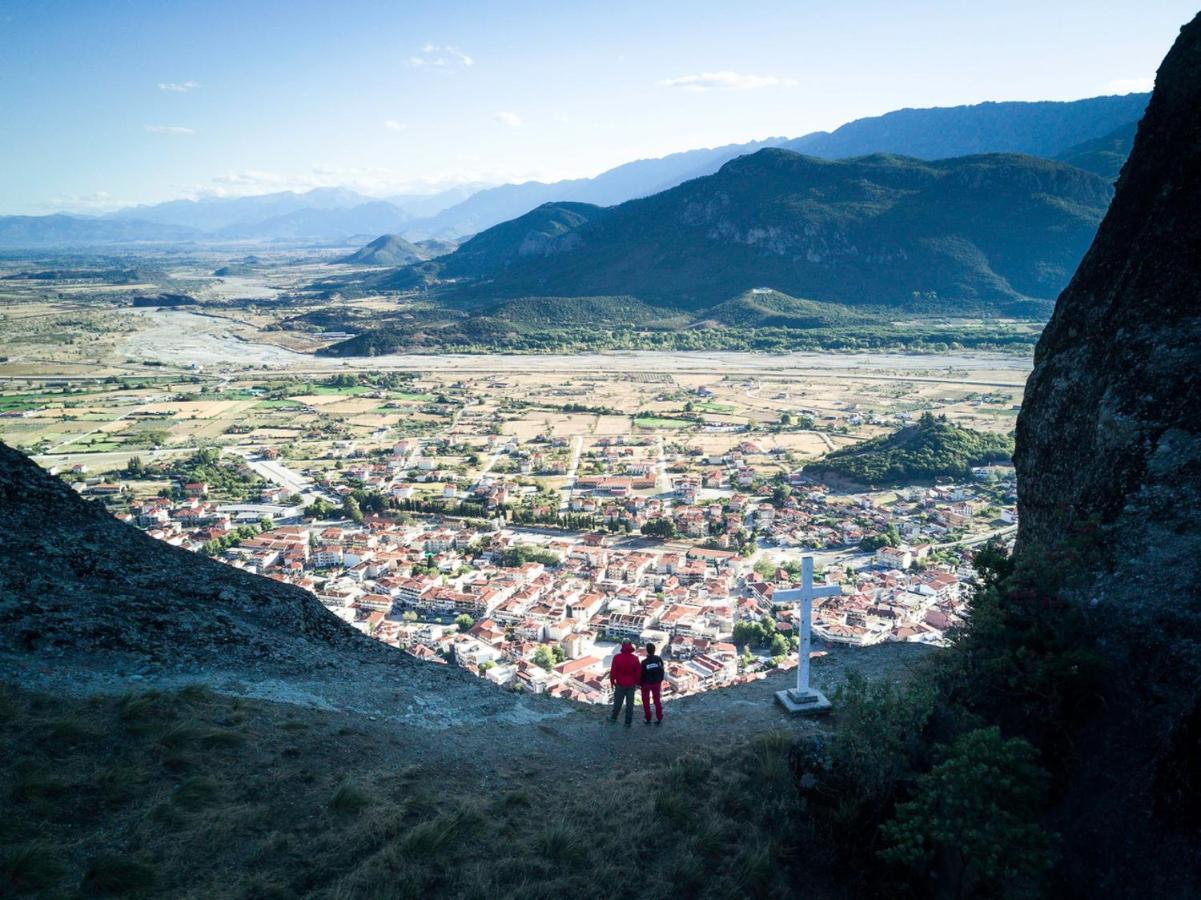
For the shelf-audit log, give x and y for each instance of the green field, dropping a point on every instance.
(660, 422)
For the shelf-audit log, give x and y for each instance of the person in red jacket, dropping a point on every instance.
(625, 673)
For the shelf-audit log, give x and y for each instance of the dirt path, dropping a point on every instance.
(441, 717)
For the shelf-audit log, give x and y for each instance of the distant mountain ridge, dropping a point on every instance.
(625, 182)
(975, 233)
(1105, 155)
(340, 214)
(1040, 128)
(62, 230)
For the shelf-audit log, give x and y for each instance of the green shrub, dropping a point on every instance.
(972, 823)
(349, 798)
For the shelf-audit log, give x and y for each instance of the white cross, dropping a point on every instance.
(804, 597)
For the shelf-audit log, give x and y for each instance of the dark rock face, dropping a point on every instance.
(74, 581)
(1108, 456)
(1110, 431)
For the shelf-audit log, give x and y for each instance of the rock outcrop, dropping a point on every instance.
(1108, 456)
(1109, 437)
(89, 605)
(76, 581)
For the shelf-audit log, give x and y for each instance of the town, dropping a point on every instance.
(519, 516)
(526, 555)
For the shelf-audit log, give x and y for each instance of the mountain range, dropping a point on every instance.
(341, 215)
(1037, 129)
(990, 232)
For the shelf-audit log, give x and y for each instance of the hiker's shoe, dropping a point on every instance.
(628, 724)
(612, 720)
(657, 722)
(647, 722)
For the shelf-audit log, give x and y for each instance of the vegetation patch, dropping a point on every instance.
(931, 448)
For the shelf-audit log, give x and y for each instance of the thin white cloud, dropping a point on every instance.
(178, 87)
(95, 202)
(726, 81)
(440, 56)
(393, 125)
(169, 129)
(252, 178)
(1130, 85)
(509, 118)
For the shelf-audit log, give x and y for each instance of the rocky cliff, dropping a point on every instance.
(1110, 432)
(76, 581)
(1108, 456)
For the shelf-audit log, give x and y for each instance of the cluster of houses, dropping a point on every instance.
(543, 613)
(443, 592)
(811, 517)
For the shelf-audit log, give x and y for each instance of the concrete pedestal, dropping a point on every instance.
(808, 703)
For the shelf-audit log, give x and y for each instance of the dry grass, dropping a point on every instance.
(192, 793)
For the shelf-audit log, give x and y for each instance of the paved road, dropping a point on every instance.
(662, 482)
(978, 538)
(572, 468)
(825, 438)
(489, 464)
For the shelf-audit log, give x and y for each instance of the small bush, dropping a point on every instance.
(195, 793)
(220, 738)
(140, 707)
(435, 835)
(179, 735)
(112, 875)
(561, 842)
(33, 785)
(689, 770)
(116, 784)
(29, 868)
(349, 799)
(69, 732)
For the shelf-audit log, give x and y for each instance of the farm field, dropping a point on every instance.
(86, 376)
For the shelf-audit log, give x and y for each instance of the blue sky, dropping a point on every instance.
(105, 103)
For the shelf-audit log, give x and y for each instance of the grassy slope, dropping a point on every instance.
(197, 794)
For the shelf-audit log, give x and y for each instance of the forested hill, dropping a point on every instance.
(1104, 155)
(983, 233)
(931, 448)
(530, 238)
(385, 250)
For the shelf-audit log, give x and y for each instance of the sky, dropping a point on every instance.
(107, 103)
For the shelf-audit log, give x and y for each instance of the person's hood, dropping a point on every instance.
(627, 647)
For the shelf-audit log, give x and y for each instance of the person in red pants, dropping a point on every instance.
(652, 684)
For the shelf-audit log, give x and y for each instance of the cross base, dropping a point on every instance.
(803, 703)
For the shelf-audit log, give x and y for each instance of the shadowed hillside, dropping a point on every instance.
(987, 233)
(1109, 483)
